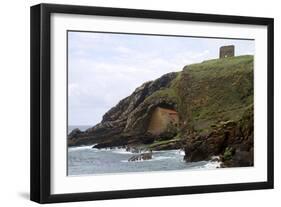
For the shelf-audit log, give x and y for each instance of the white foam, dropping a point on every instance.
(121, 151)
(154, 158)
(181, 152)
(81, 148)
(103, 149)
(175, 151)
(161, 158)
(212, 165)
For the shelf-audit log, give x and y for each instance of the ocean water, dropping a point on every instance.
(85, 160)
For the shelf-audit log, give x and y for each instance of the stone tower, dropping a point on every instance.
(227, 51)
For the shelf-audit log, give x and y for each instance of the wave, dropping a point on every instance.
(115, 150)
(161, 158)
(181, 152)
(122, 151)
(81, 148)
(174, 151)
(208, 165)
(212, 165)
(155, 158)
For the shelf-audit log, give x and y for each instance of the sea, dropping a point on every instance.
(86, 160)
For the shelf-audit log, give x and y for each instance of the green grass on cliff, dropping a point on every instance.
(221, 67)
(216, 90)
(211, 92)
(170, 93)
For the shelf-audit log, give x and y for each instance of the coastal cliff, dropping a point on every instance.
(214, 104)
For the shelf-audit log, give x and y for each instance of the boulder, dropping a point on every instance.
(142, 156)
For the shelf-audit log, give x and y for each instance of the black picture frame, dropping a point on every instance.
(41, 99)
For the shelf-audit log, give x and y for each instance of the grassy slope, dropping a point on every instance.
(218, 90)
(211, 92)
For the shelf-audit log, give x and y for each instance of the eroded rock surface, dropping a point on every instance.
(127, 122)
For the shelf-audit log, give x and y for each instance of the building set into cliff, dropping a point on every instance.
(161, 119)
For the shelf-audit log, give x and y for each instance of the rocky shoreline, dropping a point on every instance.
(232, 141)
(214, 102)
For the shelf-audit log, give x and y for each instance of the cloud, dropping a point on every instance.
(124, 50)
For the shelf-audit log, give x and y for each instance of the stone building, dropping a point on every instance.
(227, 51)
(161, 119)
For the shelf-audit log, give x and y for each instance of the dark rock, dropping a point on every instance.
(143, 156)
(127, 122)
(167, 145)
(73, 136)
(240, 159)
(167, 135)
(74, 133)
(232, 141)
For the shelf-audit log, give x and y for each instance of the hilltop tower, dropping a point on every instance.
(227, 51)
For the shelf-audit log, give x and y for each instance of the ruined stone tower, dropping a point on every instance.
(227, 51)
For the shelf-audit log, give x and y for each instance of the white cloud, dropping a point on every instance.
(124, 50)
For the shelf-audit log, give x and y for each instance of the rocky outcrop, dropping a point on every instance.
(232, 141)
(127, 122)
(143, 156)
(166, 145)
(73, 135)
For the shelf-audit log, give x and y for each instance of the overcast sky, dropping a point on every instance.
(104, 68)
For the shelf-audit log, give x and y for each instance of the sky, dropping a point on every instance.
(104, 68)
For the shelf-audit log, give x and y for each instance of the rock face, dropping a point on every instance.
(233, 141)
(127, 122)
(214, 105)
(73, 135)
(217, 110)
